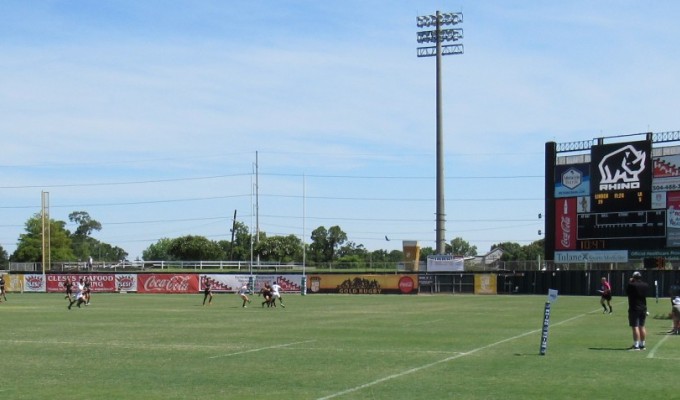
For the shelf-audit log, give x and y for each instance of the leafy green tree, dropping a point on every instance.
(511, 251)
(396, 256)
(158, 251)
(281, 249)
(29, 246)
(3, 256)
(353, 249)
(106, 252)
(534, 250)
(460, 247)
(426, 251)
(325, 243)
(195, 248)
(86, 225)
(240, 249)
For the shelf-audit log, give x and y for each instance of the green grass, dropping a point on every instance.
(128, 346)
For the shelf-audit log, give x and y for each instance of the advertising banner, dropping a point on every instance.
(99, 283)
(34, 283)
(167, 283)
(232, 283)
(565, 224)
(673, 219)
(666, 173)
(621, 176)
(411, 254)
(15, 283)
(126, 282)
(602, 256)
(485, 284)
(572, 180)
(445, 263)
(363, 284)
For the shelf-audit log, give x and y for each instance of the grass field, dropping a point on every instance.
(128, 346)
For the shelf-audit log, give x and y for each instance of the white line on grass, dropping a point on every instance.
(262, 348)
(653, 351)
(422, 367)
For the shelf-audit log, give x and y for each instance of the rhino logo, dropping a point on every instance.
(621, 168)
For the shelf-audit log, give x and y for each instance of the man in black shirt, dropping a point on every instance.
(637, 309)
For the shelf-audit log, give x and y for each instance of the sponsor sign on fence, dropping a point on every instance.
(167, 283)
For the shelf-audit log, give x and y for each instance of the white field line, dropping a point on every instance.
(423, 323)
(262, 349)
(656, 346)
(447, 359)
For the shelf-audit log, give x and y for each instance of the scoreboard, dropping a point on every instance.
(606, 204)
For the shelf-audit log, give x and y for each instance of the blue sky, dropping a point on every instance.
(149, 115)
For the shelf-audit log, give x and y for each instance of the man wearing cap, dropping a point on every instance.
(675, 315)
(637, 309)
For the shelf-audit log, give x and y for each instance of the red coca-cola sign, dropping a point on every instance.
(406, 284)
(565, 223)
(167, 283)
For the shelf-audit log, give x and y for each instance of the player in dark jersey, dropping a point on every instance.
(207, 293)
(266, 293)
(68, 288)
(87, 292)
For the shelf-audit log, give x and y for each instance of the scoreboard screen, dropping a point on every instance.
(621, 201)
(622, 225)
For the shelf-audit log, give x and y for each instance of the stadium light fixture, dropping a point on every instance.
(437, 36)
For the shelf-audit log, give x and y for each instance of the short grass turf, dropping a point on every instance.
(129, 346)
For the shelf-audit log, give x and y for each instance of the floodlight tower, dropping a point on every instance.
(438, 36)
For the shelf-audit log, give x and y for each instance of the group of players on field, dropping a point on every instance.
(82, 292)
(268, 292)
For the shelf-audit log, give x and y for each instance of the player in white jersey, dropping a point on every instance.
(243, 292)
(80, 295)
(276, 294)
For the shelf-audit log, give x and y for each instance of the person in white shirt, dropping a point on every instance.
(80, 295)
(276, 294)
(243, 292)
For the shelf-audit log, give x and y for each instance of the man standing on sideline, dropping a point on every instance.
(637, 309)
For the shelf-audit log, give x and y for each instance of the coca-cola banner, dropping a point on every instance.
(99, 283)
(167, 283)
(565, 224)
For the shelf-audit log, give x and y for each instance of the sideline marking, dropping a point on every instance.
(656, 346)
(422, 367)
(262, 348)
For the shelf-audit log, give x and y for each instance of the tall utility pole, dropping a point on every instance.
(438, 36)
(46, 235)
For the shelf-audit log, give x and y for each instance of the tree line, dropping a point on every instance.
(327, 245)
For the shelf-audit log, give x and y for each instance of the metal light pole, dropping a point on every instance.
(438, 36)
